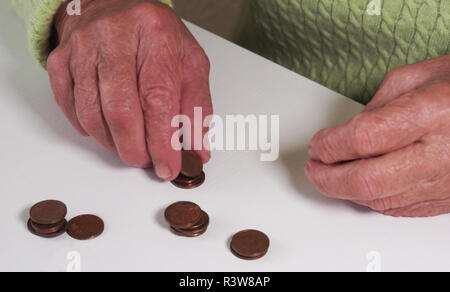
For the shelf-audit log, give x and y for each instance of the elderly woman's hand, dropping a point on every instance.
(122, 70)
(395, 156)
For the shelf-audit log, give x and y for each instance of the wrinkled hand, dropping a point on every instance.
(120, 73)
(395, 156)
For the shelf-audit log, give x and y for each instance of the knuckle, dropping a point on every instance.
(86, 111)
(120, 113)
(320, 181)
(362, 183)
(158, 99)
(159, 141)
(155, 14)
(395, 73)
(325, 148)
(363, 140)
(56, 61)
(105, 22)
(79, 35)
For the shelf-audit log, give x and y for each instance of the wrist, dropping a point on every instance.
(62, 20)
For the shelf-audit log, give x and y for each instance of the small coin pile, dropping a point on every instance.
(191, 175)
(47, 219)
(250, 244)
(187, 219)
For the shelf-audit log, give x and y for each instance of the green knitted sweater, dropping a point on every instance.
(346, 45)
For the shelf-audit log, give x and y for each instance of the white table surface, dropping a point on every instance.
(42, 157)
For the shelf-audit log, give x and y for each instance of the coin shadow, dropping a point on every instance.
(24, 215)
(294, 161)
(159, 218)
(228, 242)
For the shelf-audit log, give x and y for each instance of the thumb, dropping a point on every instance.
(382, 130)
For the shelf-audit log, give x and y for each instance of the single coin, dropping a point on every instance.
(247, 258)
(189, 183)
(200, 224)
(50, 235)
(251, 244)
(180, 232)
(48, 229)
(48, 212)
(182, 214)
(85, 227)
(191, 164)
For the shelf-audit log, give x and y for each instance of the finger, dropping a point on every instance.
(196, 95)
(159, 91)
(87, 102)
(375, 178)
(62, 86)
(434, 189)
(405, 79)
(424, 209)
(122, 109)
(402, 122)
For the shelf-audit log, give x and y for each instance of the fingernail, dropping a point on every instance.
(163, 171)
(312, 153)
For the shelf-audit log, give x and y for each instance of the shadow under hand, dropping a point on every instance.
(294, 159)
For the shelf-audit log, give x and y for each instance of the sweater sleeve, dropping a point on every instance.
(38, 17)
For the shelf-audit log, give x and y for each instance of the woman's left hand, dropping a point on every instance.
(395, 156)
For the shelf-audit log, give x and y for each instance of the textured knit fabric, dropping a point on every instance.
(38, 16)
(344, 44)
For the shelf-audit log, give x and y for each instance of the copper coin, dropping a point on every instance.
(50, 235)
(48, 212)
(251, 244)
(201, 223)
(182, 214)
(191, 164)
(85, 227)
(247, 258)
(48, 229)
(179, 232)
(189, 183)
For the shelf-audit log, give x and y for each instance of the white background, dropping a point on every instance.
(42, 157)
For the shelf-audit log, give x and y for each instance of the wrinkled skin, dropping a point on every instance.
(120, 73)
(395, 156)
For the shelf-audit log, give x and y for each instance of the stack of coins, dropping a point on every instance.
(191, 175)
(250, 244)
(187, 219)
(47, 219)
